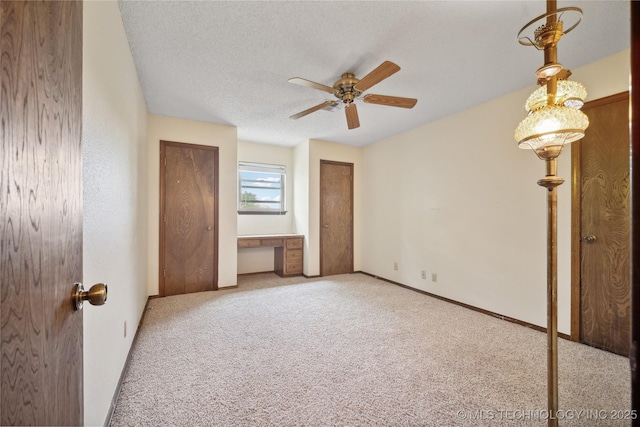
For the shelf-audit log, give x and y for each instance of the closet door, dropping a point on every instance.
(336, 218)
(189, 218)
(605, 286)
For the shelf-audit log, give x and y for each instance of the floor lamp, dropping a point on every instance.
(554, 119)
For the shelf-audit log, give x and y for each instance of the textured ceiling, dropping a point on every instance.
(228, 62)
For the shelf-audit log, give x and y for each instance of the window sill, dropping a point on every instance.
(262, 213)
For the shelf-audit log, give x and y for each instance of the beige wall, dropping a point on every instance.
(301, 197)
(193, 132)
(115, 202)
(457, 198)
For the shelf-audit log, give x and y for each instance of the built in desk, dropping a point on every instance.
(287, 250)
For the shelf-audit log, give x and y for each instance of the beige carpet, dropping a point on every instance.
(351, 350)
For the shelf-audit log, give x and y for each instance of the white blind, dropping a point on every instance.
(262, 167)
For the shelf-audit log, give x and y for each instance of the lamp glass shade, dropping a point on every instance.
(551, 126)
(569, 93)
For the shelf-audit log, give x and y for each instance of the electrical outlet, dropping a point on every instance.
(395, 265)
(424, 274)
(434, 277)
(125, 328)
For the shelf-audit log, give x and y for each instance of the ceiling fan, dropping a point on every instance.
(348, 88)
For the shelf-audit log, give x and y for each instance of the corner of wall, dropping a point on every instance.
(301, 196)
(448, 210)
(114, 121)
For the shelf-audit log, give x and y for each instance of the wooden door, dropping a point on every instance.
(336, 218)
(634, 352)
(40, 212)
(189, 223)
(605, 309)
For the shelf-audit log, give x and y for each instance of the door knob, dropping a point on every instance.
(590, 238)
(209, 228)
(96, 295)
(325, 225)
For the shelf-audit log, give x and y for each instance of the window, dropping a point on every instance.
(261, 188)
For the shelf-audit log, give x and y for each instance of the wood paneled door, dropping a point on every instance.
(40, 212)
(602, 227)
(189, 218)
(634, 353)
(336, 217)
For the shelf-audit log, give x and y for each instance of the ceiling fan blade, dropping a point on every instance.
(386, 69)
(313, 85)
(352, 116)
(392, 101)
(312, 109)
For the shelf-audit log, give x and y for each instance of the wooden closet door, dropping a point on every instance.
(189, 238)
(605, 226)
(336, 218)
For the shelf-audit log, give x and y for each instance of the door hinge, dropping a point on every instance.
(165, 218)
(165, 161)
(164, 273)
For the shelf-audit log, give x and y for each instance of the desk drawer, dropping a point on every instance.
(248, 243)
(294, 267)
(294, 254)
(294, 243)
(270, 242)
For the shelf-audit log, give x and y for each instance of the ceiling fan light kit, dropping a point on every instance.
(348, 88)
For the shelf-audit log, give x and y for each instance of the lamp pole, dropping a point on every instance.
(551, 182)
(546, 130)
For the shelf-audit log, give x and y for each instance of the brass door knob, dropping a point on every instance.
(590, 238)
(96, 295)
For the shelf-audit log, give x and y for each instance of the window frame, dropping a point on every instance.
(264, 168)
